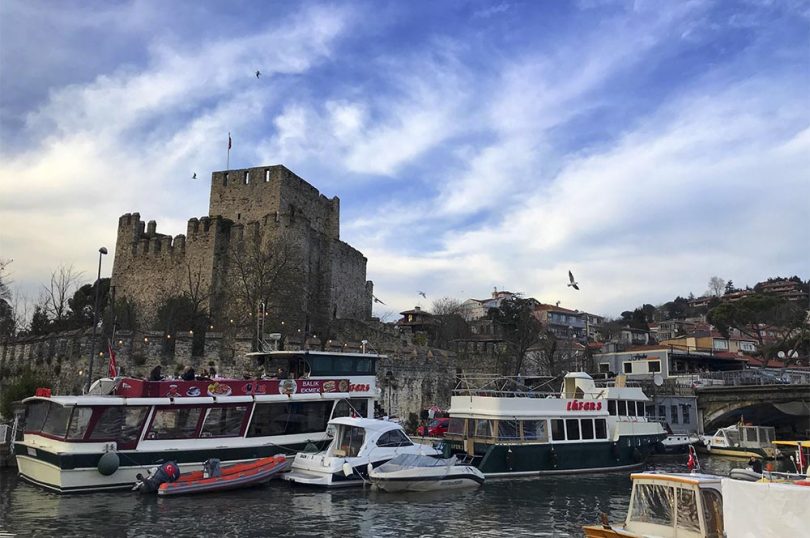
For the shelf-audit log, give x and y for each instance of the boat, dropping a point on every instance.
(668, 505)
(797, 452)
(508, 429)
(412, 472)
(125, 426)
(676, 443)
(358, 444)
(215, 478)
(741, 441)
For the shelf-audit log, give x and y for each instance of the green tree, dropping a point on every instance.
(40, 322)
(25, 386)
(83, 301)
(750, 313)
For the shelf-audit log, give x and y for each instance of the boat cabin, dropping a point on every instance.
(670, 505)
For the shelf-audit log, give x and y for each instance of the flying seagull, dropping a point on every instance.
(258, 73)
(377, 300)
(573, 283)
(194, 176)
(422, 293)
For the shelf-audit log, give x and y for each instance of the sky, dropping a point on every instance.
(646, 146)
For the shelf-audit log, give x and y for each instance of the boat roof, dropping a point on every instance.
(366, 423)
(698, 479)
(804, 444)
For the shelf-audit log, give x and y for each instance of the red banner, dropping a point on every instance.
(177, 388)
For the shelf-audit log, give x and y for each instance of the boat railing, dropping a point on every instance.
(506, 386)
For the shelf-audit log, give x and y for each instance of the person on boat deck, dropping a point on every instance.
(755, 465)
(212, 372)
(188, 374)
(155, 374)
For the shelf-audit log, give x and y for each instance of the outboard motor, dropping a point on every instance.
(211, 468)
(168, 472)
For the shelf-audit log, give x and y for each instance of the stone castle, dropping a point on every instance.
(269, 206)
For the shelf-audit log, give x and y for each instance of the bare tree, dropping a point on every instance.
(5, 281)
(261, 271)
(717, 286)
(64, 282)
(446, 306)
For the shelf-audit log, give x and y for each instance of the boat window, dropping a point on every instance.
(35, 415)
(601, 428)
(350, 440)
(733, 437)
(612, 407)
(174, 423)
(622, 408)
(120, 423)
(79, 421)
(343, 364)
(750, 435)
(770, 434)
(557, 429)
(713, 513)
(572, 429)
(223, 421)
(535, 430)
(394, 438)
(57, 420)
(364, 366)
(456, 426)
(652, 503)
(351, 407)
(289, 418)
(508, 429)
(483, 428)
(586, 425)
(640, 408)
(687, 517)
(631, 409)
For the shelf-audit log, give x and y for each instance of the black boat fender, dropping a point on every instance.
(108, 463)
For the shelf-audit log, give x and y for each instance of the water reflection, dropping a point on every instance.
(549, 506)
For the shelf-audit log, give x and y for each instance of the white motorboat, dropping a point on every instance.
(412, 472)
(678, 442)
(357, 444)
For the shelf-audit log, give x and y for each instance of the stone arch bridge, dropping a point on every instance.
(720, 405)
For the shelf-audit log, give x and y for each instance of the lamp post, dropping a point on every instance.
(101, 252)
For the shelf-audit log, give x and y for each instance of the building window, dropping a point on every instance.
(720, 344)
(604, 367)
(654, 366)
(685, 408)
(673, 409)
(628, 367)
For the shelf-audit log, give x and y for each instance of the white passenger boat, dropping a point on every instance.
(412, 472)
(508, 429)
(357, 444)
(102, 441)
(740, 441)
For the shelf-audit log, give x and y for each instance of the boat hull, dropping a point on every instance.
(742, 453)
(428, 479)
(505, 460)
(69, 473)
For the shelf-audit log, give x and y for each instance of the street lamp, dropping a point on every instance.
(101, 252)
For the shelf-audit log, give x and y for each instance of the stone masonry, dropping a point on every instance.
(270, 204)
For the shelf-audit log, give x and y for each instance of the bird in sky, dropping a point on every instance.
(573, 283)
(194, 176)
(377, 300)
(422, 293)
(258, 73)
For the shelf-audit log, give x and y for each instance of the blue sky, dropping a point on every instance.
(645, 145)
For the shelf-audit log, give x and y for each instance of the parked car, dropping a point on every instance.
(436, 428)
